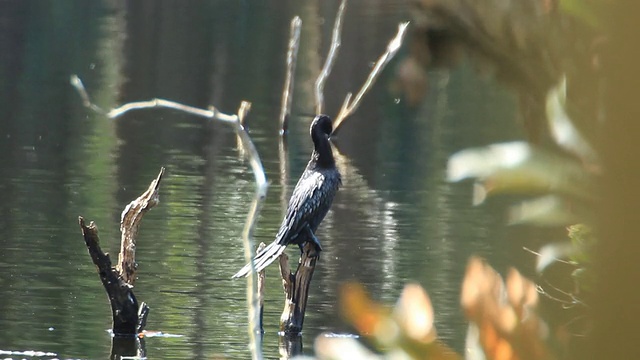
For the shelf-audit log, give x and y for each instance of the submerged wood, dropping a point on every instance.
(290, 345)
(128, 348)
(129, 316)
(296, 288)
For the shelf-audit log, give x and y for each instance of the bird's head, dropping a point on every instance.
(321, 125)
(321, 129)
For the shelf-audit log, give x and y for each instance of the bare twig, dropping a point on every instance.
(284, 172)
(331, 57)
(86, 101)
(256, 166)
(129, 225)
(292, 57)
(261, 279)
(349, 107)
(243, 110)
(249, 226)
(565, 304)
(211, 113)
(538, 254)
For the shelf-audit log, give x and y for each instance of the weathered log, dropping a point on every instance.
(129, 317)
(296, 289)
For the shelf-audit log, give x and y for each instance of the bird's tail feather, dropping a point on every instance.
(262, 259)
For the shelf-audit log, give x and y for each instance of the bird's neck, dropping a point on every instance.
(322, 155)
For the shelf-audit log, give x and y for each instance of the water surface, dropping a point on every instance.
(395, 220)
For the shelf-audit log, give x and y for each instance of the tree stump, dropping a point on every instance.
(129, 317)
(296, 289)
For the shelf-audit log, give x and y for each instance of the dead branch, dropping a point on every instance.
(349, 107)
(261, 279)
(129, 225)
(243, 111)
(211, 113)
(284, 172)
(296, 288)
(247, 236)
(292, 58)
(251, 154)
(331, 58)
(124, 305)
(129, 317)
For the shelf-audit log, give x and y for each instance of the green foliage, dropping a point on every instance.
(583, 242)
(587, 11)
(521, 168)
(563, 183)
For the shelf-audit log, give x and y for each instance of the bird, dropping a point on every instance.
(310, 201)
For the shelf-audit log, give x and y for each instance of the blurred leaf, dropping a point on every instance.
(562, 129)
(341, 348)
(506, 325)
(482, 294)
(472, 348)
(521, 293)
(406, 333)
(551, 253)
(517, 167)
(548, 210)
(367, 316)
(414, 314)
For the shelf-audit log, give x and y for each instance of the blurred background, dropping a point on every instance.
(395, 220)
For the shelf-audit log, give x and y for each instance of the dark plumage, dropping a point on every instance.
(310, 201)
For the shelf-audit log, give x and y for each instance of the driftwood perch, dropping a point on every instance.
(296, 289)
(129, 317)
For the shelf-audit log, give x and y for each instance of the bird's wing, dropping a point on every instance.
(303, 204)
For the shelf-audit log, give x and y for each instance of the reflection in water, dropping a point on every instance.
(377, 216)
(127, 347)
(290, 346)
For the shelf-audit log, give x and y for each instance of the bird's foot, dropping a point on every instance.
(314, 239)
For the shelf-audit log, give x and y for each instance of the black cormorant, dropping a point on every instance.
(310, 201)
